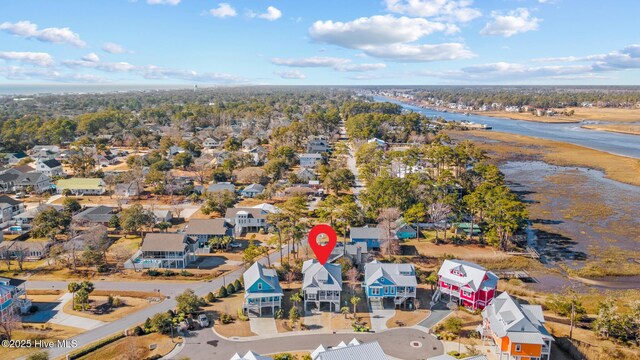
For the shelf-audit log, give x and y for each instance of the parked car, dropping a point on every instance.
(235, 245)
(203, 320)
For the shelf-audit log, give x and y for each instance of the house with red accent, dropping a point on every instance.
(517, 331)
(468, 284)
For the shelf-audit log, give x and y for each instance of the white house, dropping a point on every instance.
(252, 190)
(50, 167)
(163, 250)
(246, 219)
(322, 284)
(309, 160)
(36, 181)
(202, 230)
(211, 143)
(127, 189)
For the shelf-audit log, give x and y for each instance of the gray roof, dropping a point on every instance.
(253, 212)
(521, 323)
(215, 227)
(8, 177)
(164, 242)
(31, 178)
(32, 213)
(221, 186)
(399, 274)
(97, 214)
(323, 277)
(367, 351)
(254, 188)
(365, 232)
(51, 164)
(4, 199)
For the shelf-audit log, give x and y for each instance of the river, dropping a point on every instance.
(614, 143)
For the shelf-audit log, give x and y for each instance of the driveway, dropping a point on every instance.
(379, 319)
(62, 318)
(439, 312)
(263, 326)
(397, 342)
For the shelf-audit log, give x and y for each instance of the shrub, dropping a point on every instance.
(137, 331)
(95, 346)
(237, 284)
(452, 325)
(222, 293)
(152, 272)
(185, 273)
(40, 355)
(110, 299)
(231, 289)
(242, 316)
(226, 318)
(279, 313)
(168, 273)
(210, 297)
(102, 268)
(117, 302)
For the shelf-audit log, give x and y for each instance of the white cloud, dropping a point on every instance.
(515, 22)
(223, 10)
(30, 30)
(93, 57)
(35, 58)
(271, 14)
(291, 74)
(450, 10)
(376, 30)
(391, 38)
(19, 73)
(338, 64)
(163, 2)
(113, 48)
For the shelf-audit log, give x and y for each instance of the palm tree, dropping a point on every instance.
(73, 287)
(354, 301)
(296, 298)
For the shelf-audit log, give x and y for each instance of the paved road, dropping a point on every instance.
(205, 344)
(439, 311)
(200, 288)
(167, 288)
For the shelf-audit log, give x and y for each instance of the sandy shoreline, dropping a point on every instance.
(615, 128)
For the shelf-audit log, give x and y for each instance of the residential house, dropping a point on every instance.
(163, 251)
(250, 143)
(406, 231)
(162, 215)
(202, 230)
(449, 357)
(354, 350)
(356, 252)
(252, 190)
(82, 186)
(26, 250)
(317, 146)
(175, 150)
(8, 181)
(95, 215)
(27, 217)
(33, 181)
(11, 303)
(371, 235)
(390, 281)
(517, 331)
(221, 186)
(9, 208)
(321, 284)
(246, 219)
(127, 189)
(52, 149)
(263, 290)
(305, 175)
(211, 143)
(105, 160)
(379, 142)
(50, 167)
(43, 155)
(258, 154)
(14, 158)
(309, 160)
(469, 284)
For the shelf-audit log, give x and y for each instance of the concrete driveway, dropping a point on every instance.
(439, 312)
(62, 318)
(379, 319)
(263, 326)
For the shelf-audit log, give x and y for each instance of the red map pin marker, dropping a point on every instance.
(322, 251)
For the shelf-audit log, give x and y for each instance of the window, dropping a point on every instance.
(518, 347)
(375, 291)
(259, 286)
(466, 293)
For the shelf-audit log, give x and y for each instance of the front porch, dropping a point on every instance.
(256, 304)
(319, 297)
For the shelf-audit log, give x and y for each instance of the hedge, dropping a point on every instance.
(95, 346)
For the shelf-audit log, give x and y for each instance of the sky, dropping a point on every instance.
(321, 42)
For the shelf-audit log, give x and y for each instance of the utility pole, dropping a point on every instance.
(573, 312)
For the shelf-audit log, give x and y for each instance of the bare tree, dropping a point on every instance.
(352, 276)
(387, 219)
(439, 213)
(21, 254)
(8, 323)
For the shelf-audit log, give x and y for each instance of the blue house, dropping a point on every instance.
(406, 231)
(262, 290)
(390, 281)
(372, 235)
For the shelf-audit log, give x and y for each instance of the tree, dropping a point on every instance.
(188, 302)
(218, 201)
(182, 160)
(85, 288)
(352, 276)
(161, 322)
(348, 214)
(294, 316)
(114, 222)
(338, 180)
(222, 293)
(354, 301)
(390, 243)
(71, 205)
(439, 214)
(251, 253)
(567, 305)
(432, 280)
(505, 214)
(50, 223)
(162, 226)
(345, 310)
(134, 218)
(73, 287)
(296, 297)
(415, 215)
